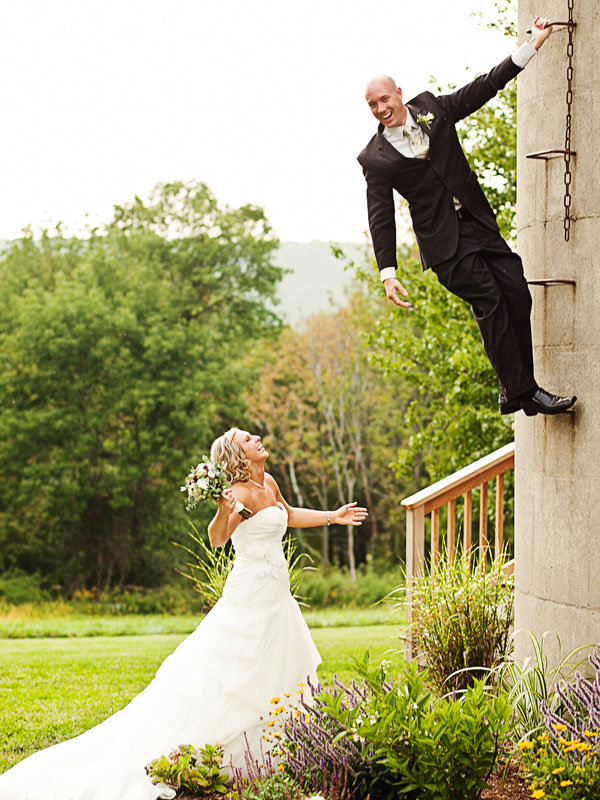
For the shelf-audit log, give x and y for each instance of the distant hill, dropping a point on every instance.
(317, 279)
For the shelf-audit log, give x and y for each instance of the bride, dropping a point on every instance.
(217, 685)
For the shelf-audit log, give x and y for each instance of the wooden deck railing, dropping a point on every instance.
(432, 499)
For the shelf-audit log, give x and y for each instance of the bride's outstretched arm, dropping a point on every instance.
(349, 514)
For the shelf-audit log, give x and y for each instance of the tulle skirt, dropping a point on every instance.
(214, 688)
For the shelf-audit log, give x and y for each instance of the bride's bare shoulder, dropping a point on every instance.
(270, 480)
(241, 490)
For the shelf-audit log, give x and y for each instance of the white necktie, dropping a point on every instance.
(416, 141)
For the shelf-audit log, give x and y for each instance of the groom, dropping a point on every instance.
(416, 152)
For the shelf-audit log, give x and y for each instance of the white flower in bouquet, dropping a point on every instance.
(206, 481)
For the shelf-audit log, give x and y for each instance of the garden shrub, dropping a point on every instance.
(397, 738)
(461, 619)
(337, 589)
(17, 588)
(564, 761)
(193, 770)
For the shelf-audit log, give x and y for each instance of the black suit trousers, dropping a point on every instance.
(489, 276)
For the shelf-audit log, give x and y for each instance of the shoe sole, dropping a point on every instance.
(508, 408)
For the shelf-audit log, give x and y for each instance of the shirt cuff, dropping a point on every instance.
(523, 55)
(387, 272)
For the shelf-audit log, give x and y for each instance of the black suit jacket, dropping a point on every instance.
(429, 184)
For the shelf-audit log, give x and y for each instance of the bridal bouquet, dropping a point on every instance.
(205, 482)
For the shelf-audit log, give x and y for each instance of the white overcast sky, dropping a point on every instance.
(262, 100)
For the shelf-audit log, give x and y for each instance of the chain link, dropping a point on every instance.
(569, 98)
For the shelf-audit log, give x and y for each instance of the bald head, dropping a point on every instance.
(381, 80)
(385, 101)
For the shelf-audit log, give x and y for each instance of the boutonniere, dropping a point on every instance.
(425, 119)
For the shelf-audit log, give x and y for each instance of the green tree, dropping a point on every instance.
(122, 356)
(333, 421)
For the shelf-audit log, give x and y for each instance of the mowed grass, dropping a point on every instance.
(45, 624)
(54, 689)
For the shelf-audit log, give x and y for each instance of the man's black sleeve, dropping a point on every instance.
(465, 101)
(382, 221)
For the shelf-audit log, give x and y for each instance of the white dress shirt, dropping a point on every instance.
(399, 141)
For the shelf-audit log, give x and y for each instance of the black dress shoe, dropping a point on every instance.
(543, 402)
(508, 406)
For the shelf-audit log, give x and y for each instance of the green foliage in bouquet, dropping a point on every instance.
(461, 619)
(206, 481)
(193, 770)
(210, 566)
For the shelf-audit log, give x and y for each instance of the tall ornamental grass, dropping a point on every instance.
(531, 685)
(461, 619)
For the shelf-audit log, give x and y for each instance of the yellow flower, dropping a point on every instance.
(558, 726)
(275, 700)
(538, 793)
(270, 724)
(280, 710)
(281, 767)
(287, 694)
(525, 745)
(307, 718)
(566, 783)
(558, 770)
(577, 768)
(563, 741)
(584, 747)
(300, 685)
(589, 733)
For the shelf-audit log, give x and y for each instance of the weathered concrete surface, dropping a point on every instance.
(557, 504)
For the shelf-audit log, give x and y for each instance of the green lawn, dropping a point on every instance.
(53, 689)
(49, 624)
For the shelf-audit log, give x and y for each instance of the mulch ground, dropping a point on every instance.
(513, 787)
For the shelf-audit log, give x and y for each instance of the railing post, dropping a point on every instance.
(415, 560)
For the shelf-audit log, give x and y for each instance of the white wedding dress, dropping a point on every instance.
(253, 645)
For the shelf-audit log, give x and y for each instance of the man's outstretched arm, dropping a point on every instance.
(476, 94)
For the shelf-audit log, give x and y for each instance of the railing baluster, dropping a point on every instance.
(451, 534)
(435, 536)
(499, 514)
(467, 523)
(483, 526)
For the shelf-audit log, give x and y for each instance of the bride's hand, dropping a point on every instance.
(350, 514)
(227, 501)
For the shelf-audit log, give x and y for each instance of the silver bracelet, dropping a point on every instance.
(328, 518)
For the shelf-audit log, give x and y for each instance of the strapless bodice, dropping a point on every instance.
(259, 554)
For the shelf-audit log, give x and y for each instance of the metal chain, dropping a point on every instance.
(567, 156)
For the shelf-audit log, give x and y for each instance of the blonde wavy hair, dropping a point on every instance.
(226, 448)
